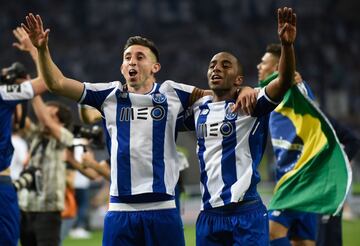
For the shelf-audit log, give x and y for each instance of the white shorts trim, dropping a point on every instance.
(142, 206)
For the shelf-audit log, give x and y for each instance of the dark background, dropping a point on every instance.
(87, 38)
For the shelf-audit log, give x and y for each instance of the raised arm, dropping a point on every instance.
(89, 115)
(287, 34)
(24, 44)
(44, 117)
(53, 77)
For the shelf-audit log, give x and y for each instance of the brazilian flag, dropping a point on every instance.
(321, 178)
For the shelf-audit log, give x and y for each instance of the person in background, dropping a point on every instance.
(15, 88)
(68, 215)
(21, 155)
(307, 228)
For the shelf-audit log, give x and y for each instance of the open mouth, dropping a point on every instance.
(132, 72)
(216, 77)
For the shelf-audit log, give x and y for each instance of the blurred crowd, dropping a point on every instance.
(87, 37)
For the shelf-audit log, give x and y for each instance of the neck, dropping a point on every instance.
(223, 95)
(142, 89)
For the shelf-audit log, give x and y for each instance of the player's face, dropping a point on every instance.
(139, 66)
(223, 72)
(268, 65)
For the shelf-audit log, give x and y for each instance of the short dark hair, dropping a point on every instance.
(239, 66)
(274, 49)
(64, 113)
(138, 40)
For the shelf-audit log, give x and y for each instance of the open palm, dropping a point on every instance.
(286, 25)
(24, 43)
(35, 30)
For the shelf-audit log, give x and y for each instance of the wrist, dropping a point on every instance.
(42, 49)
(284, 44)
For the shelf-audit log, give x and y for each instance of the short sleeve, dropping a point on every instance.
(183, 91)
(94, 94)
(16, 92)
(264, 104)
(306, 90)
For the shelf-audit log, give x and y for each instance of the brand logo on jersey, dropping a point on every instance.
(157, 113)
(276, 213)
(158, 98)
(127, 114)
(205, 111)
(205, 130)
(201, 131)
(229, 115)
(226, 129)
(13, 88)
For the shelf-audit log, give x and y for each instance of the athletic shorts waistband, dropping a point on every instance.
(238, 207)
(142, 206)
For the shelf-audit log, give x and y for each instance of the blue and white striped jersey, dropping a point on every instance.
(10, 95)
(286, 144)
(141, 137)
(230, 147)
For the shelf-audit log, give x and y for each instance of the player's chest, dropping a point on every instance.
(215, 122)
(140, 108)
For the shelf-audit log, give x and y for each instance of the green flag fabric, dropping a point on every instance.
(321, 178)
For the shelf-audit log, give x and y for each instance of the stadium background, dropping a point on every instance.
(87, 37)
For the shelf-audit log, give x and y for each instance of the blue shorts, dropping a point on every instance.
(154, 227)
(300, 224)
(233, 224)
(9, 213)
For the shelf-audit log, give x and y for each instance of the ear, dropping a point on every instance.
(277, 67)
(238, 80)
(121, 69)
(156, 67)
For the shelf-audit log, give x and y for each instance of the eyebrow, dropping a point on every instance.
(223, 61)
(137, 53)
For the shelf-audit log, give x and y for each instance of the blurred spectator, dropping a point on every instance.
(44, 200)
(20, 157)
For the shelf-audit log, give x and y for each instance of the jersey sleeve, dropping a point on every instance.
(306, 90)
(16, 93)
(94, 94)
(183, 92)
(264, 104)
(186, 120)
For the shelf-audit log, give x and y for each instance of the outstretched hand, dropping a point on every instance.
(286, 25)
(24, 43)
(34, 28)
(246, 100)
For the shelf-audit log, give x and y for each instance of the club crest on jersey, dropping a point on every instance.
(13, 88)
(229, 115)
(158, 98)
